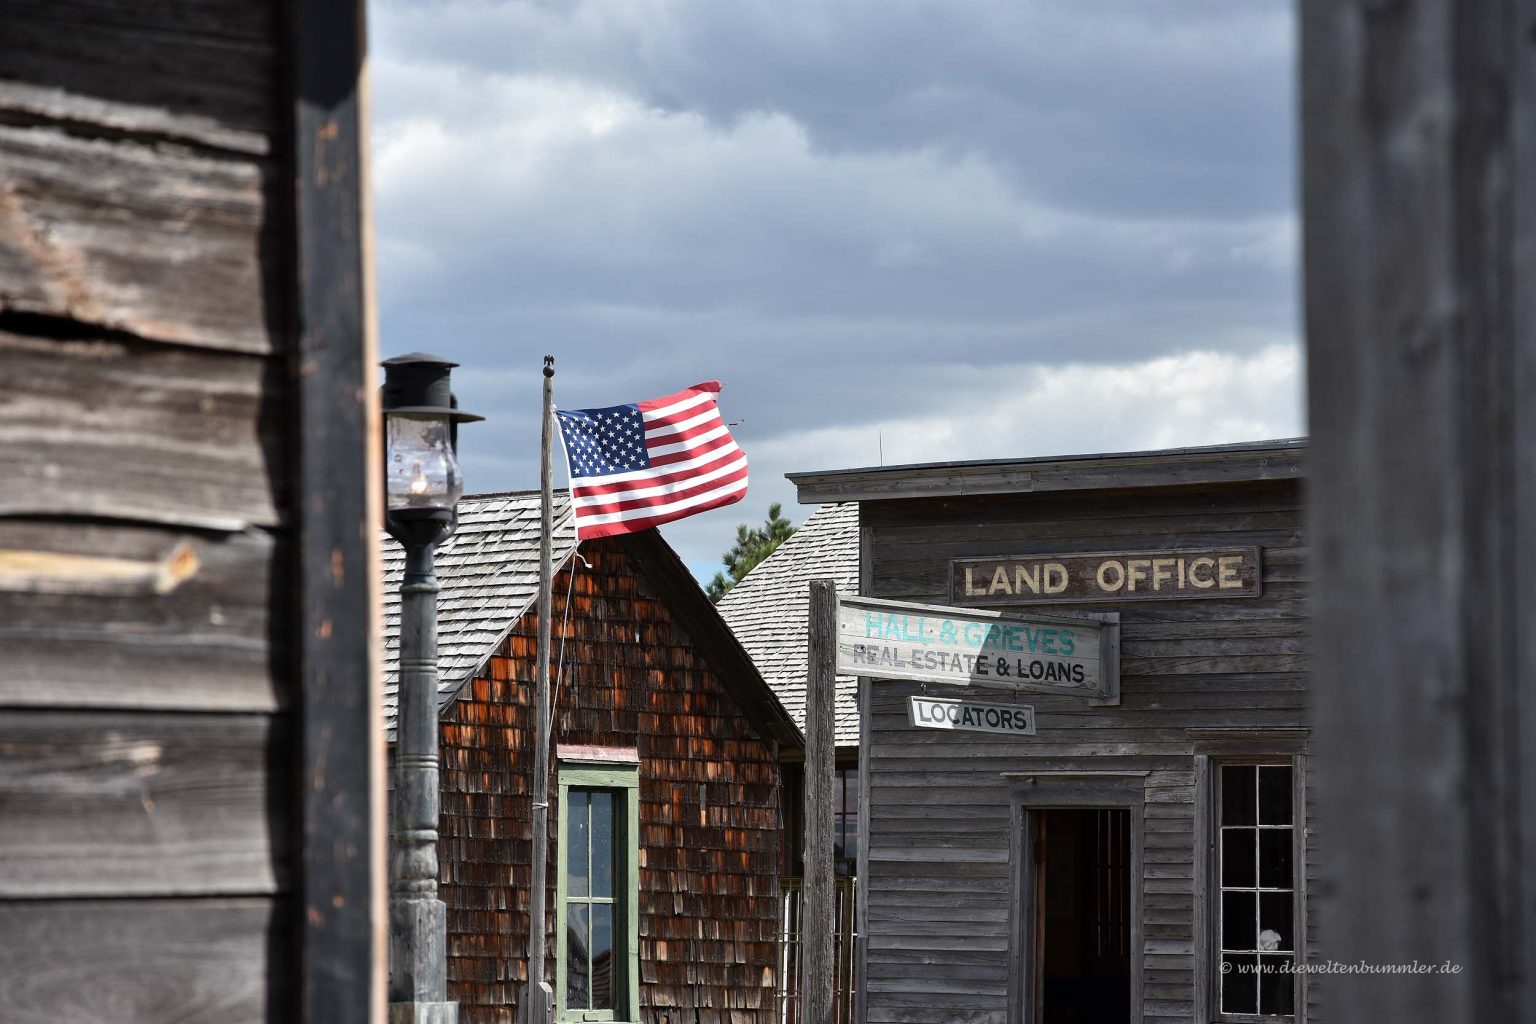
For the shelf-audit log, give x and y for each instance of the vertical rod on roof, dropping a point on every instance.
(540, 1002)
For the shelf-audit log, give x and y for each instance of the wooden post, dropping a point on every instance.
(818, 966)
(344, 951)
(1420, 234)
(539, 1004)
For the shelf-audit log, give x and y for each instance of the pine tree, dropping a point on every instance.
(751, 547)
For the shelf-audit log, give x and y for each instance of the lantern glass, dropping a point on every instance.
(422, 472)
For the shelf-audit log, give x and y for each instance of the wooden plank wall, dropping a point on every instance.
(937, 864)
(709, 811)
(167, 696)
(1419, 137)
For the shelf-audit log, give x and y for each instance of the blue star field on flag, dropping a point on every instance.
(603, 441)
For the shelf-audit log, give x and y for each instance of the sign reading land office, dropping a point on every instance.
(1182, 575)
(1076, 654)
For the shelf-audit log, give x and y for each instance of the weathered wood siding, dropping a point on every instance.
(709, 806)
(185, 608)
(937, 876)
(1419, 139)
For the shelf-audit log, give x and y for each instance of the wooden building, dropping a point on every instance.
(190, 763)
(1145, 859)
(667, 830)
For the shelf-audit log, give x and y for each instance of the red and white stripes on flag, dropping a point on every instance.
(640, 465)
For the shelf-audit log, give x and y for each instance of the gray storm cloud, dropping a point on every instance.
(887, 219)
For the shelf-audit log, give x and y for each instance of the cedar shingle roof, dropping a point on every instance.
(767, 610)
(489, 575)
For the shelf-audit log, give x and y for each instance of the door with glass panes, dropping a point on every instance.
(596, 966)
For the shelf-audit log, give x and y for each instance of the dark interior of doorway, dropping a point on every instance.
(1085, 927)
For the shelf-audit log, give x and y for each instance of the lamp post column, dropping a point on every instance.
(417, 918)
(422, 486)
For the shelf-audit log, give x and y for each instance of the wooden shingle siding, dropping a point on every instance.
(709, 804)
(938, 872)
(188, 720)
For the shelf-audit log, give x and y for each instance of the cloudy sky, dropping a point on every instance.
(912, 229)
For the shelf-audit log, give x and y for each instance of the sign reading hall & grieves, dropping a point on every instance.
(1074, 654)
(1106, 576)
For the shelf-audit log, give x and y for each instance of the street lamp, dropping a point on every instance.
(422, 486)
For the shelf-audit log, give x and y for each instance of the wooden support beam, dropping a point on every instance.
(337, 436)
(818, 967)
(1420, 191)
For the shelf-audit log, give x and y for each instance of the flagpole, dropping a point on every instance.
(540, 995)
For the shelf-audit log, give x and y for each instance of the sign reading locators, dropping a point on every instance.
(1107, 576)
(1077, 654)
(972, 716)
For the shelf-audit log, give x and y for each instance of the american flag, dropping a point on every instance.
(640, 465)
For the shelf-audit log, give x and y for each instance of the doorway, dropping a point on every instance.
(1082, 876)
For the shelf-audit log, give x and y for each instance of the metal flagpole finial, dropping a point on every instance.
(549, 366)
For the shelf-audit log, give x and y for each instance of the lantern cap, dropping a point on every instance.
(453, 413)
(418, 384)
(418, 359)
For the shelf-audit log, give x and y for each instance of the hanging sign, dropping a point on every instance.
(972, 716)
(1183, 575)
(1076, 654)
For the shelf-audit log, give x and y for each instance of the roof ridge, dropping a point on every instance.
(522, 492)
(1271, 444)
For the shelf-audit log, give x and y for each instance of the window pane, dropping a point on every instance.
(576, 841)
(603, 987)
(1275, 857)
(602, 844)
(1238, 796)
(1239, 858)
(848, 791)
(1239, 920)
(1277, 991)
(578, 989)
(1275, 921)
(1275, 795)
(1239, 984)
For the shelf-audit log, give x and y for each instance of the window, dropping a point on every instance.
(597, 970)
(1256, 917)
(845, 821)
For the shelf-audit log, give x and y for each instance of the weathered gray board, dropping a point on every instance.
(1076, 654)
(1200, 680)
